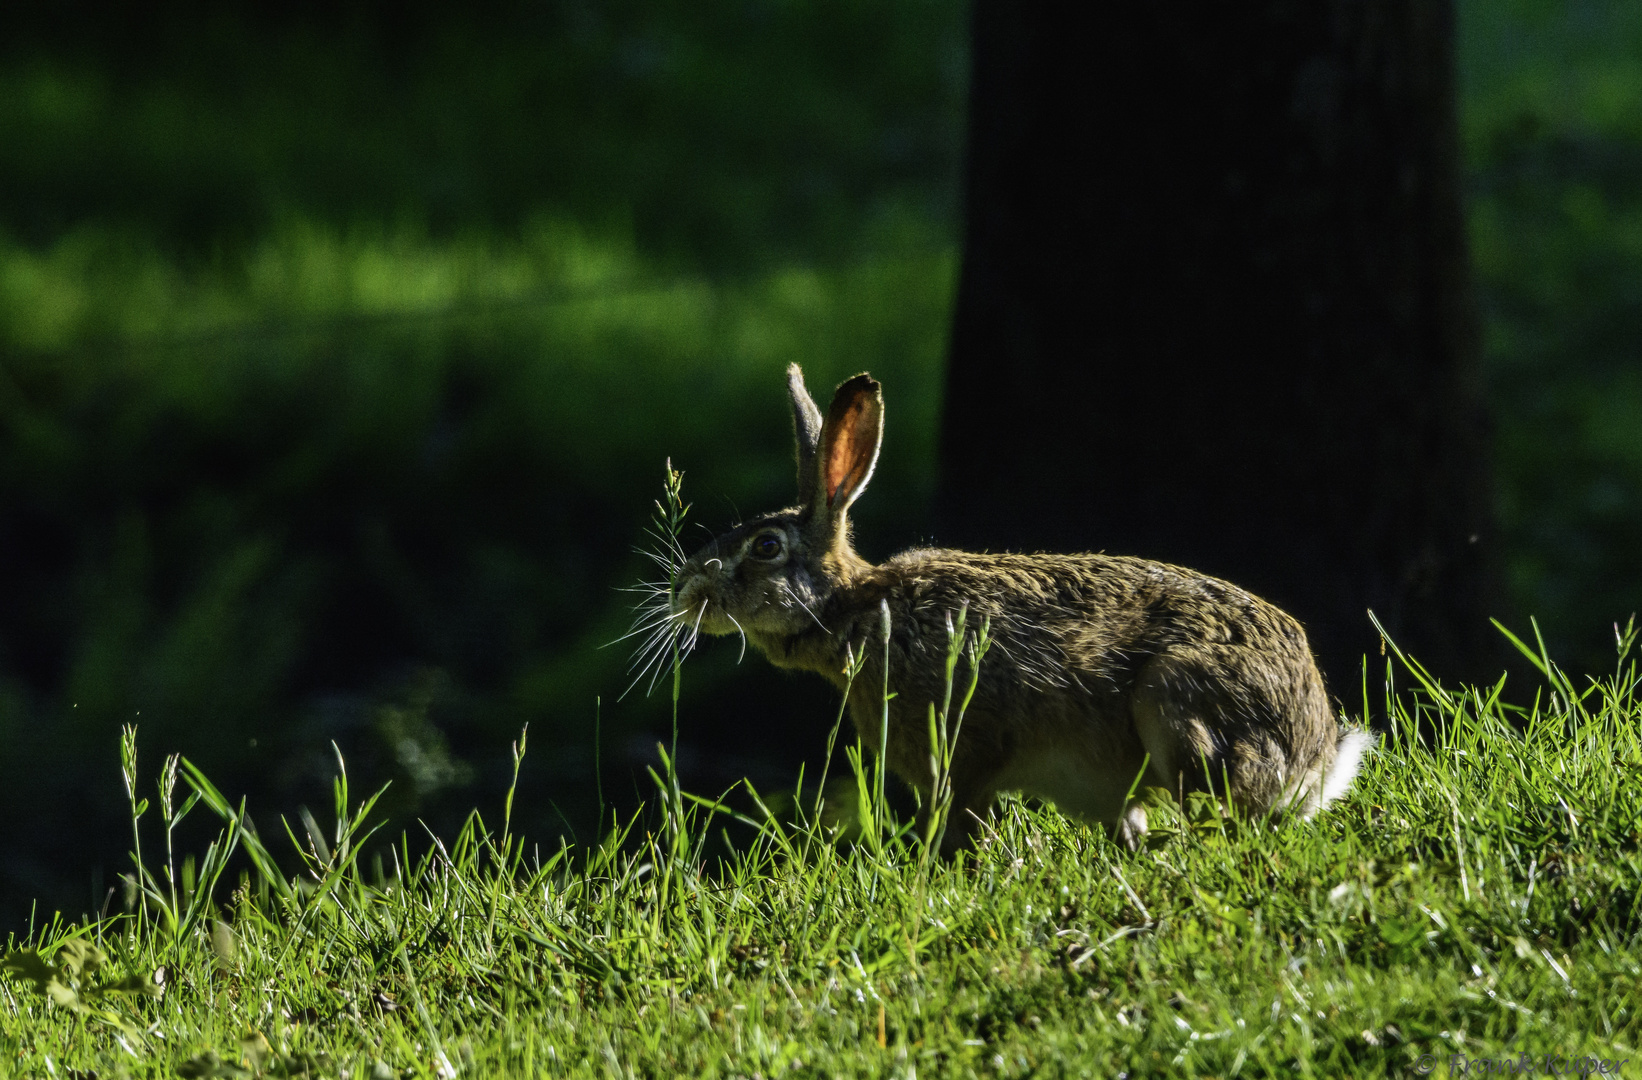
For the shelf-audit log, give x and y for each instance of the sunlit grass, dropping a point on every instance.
(1475, 896)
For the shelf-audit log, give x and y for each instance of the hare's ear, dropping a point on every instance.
(806, 428)
(849, 443)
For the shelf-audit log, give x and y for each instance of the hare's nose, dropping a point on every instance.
(687, 589)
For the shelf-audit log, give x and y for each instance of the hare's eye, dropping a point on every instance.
(767, 546)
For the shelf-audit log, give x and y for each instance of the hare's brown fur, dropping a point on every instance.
(1105, 672)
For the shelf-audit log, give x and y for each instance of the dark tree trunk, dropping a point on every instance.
(1214, 310)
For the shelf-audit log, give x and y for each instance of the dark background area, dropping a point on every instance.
(340, 349)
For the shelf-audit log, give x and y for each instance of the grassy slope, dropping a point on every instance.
(1475, 895)
(1463, 900)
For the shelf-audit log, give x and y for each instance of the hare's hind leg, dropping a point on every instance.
(1202, 729)
(1129, 829)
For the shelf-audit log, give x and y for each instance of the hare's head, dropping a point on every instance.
(770, 577)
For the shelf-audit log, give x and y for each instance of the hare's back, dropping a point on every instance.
(1101, 615)
(1127, 595)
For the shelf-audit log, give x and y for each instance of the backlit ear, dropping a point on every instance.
(806, 427)
(849, 441)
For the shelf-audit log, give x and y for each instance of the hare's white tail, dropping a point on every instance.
(1321, 788)
(1348, 759)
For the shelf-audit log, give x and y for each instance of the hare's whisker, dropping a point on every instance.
(661, 666)
(658, 625)
(743, 634)
(695, 631)
(668, 548)
(638, 676)
(655, 645)
(653, 611)
(655, 625)
(647, 629)
(659, 605)
(654, 652)
(652, 655)
(669, 542)
(662, 548)
(663, 560)
(806, 608)
(669, 553)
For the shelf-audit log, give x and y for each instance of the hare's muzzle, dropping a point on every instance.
(692, 587)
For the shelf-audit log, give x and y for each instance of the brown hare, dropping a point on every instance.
(1101, 666)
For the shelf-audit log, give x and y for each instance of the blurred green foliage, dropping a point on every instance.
(721, 133)
(1551, 117)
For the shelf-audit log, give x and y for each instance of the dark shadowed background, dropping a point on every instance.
(341, 348)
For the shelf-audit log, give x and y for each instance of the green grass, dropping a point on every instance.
(1475, 895)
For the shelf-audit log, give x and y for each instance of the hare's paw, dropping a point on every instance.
(1130, 829)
